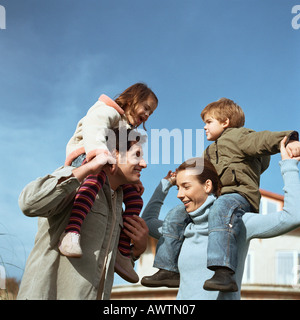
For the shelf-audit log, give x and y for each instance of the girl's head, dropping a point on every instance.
(196, 179)
(138, 102)
(225, 109)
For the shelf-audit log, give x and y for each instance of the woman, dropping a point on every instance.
(197, 197)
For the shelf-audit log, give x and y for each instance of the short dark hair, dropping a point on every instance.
(117, 138)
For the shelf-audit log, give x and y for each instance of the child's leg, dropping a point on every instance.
(84, 200)
(224, 225)
(133, 206)
(124, 266)
(169, 244)
(224, 222)
(85, 197)
(168, 249)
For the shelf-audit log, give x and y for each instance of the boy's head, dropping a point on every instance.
(223, 114)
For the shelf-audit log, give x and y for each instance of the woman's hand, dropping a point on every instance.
(171, 176)
(285, 154)
(293, 149)
(137, 230)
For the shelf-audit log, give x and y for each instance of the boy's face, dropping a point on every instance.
(214, 128)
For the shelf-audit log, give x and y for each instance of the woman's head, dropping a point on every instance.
(138, 102)
(196, 179)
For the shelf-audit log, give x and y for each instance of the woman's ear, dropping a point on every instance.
(208, 186)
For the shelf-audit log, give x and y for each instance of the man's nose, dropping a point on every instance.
(143, 163)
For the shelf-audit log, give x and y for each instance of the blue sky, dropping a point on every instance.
(58, 56)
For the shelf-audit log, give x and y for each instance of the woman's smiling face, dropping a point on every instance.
(190, 191)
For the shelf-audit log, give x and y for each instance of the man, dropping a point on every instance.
(50, 275)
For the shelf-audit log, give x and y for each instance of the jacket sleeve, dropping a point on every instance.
(95, 127)
(264, 143)
(278, 223)
(45, 196)
(152, 210)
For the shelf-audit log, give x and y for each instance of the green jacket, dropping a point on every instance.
(241, 155)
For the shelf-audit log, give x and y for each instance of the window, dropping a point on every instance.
(268, 206)
(248, 269)
(288, 267)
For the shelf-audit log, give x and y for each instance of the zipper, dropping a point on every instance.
(217, 155)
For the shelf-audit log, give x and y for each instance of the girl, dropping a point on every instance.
(132, 108)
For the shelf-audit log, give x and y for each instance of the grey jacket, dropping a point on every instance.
(48, 274)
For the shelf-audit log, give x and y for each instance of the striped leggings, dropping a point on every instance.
(85, 198)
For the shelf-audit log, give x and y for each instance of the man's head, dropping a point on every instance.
(129, 157)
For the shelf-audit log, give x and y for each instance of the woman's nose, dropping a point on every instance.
(179, 194)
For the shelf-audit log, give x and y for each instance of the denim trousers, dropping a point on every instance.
(224, 225)
(78, 161)
(169, 244)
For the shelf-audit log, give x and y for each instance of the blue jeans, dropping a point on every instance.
(78, 161)
(169, 244)
(224, 225)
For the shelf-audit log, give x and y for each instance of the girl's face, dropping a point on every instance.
(142, 111)
(190, 191)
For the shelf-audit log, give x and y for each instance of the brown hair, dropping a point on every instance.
(225, 108)
(206, 171)
(133, 95)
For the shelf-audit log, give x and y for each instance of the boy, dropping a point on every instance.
(240, 156)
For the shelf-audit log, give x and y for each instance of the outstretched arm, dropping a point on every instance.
(152, 210)
(275, 224)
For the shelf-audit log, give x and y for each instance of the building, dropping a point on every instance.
(272, 268)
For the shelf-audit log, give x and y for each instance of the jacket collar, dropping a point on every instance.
(111, 103)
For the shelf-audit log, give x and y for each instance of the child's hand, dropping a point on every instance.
(293, 150)
(171, 176)
(139, 188)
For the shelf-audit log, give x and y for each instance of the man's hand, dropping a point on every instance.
(137, 230)
(103, 161)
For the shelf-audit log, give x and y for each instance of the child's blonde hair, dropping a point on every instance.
(225, 108)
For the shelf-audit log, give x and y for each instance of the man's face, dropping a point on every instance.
(130, 170)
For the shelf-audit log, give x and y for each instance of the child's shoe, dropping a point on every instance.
(124, 268)
(69, 245)
(222, 280)
(162, 278)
